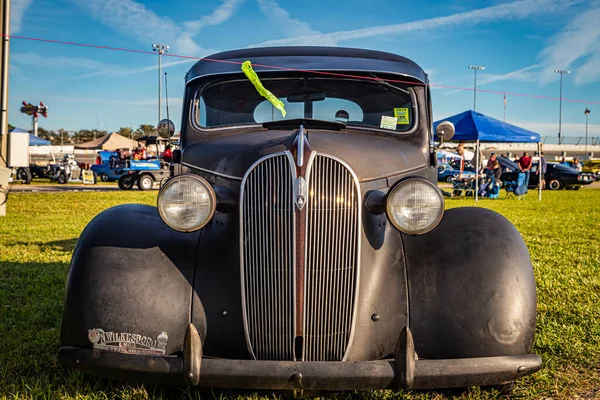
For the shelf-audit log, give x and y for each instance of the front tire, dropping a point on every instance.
(449, 179)
(555, 184)
(24, 175)
(62, 178)
(104, 177)
(145, 182)
(126, 182)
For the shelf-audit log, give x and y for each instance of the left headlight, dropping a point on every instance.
(186, 203)
(415, 206)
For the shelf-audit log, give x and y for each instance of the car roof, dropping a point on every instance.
(307, 58)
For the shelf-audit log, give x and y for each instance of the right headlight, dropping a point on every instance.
(186, 203)
(415, 206)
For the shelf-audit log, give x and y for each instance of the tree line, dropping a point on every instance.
(64, 137)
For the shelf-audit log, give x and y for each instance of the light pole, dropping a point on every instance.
(587, 113)
(561, 72)
(475, 68)
(160, 49)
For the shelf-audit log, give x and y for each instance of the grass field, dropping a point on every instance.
(40, 231)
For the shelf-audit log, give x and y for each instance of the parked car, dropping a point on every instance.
(447, 173)
(592, 167)
(302, 252)
(66, 170)
(558, 176)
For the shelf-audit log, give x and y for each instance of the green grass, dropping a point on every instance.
(39, 233)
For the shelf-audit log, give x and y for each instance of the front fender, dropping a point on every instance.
(130, 273)
(471, 287)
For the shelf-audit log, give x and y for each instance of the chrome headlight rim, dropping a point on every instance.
(202, 181)
(396, 187)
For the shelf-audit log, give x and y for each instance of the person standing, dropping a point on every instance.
(577, 165)
(525, 164)
(544, 167)
(491, 161)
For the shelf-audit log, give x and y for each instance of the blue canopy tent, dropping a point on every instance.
(38, 141)
(473, 126)
(33, 140)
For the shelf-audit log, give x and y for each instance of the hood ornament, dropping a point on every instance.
(300, 192)
(300, 141)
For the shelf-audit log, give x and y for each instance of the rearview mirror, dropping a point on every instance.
(445, 131)
(306, 95)
(165, 128)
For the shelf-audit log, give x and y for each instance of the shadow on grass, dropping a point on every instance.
(63, 245)
(66, 245)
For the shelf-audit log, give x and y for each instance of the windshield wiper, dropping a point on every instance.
(308, 123)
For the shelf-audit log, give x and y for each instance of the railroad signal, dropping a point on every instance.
(28, 108)
(33, 110)
(43, 109)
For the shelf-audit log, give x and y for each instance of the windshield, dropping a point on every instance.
(355, 102)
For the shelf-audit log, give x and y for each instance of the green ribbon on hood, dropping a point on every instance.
(251, 75)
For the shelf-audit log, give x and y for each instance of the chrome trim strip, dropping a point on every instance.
(208, 171)
(223, 74)
(311, 159)
(300, 146)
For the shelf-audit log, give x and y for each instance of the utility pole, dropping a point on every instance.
(475, 68)
(160, 49)
(561, 72)
(587, 113)
(4, 50)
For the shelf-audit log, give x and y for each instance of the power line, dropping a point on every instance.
(328, 73)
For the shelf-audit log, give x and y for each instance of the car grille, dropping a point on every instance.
(331, 243)
(268, 259)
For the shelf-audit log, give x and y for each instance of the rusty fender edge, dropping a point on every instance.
(290, 375)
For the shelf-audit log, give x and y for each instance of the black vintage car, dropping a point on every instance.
(557, 176)
(305, 252)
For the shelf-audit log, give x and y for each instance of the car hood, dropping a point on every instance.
(370, 156)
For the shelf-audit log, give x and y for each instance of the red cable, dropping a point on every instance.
(342, 75)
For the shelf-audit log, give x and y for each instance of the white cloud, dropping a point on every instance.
(96, 68)
(17, 10)
(14, 69)
(60, 62)
(508, 11)
(291, 27)
(135, 20)
(577, 41)
(527, 74)
(221, 14)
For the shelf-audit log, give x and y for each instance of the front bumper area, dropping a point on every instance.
(290, 375)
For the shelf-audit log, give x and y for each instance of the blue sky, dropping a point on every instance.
(519, 42)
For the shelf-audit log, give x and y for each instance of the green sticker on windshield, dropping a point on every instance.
(402, 115)
(249, 72)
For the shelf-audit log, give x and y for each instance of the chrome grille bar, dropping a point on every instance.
(332, 259)
(267, 264)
